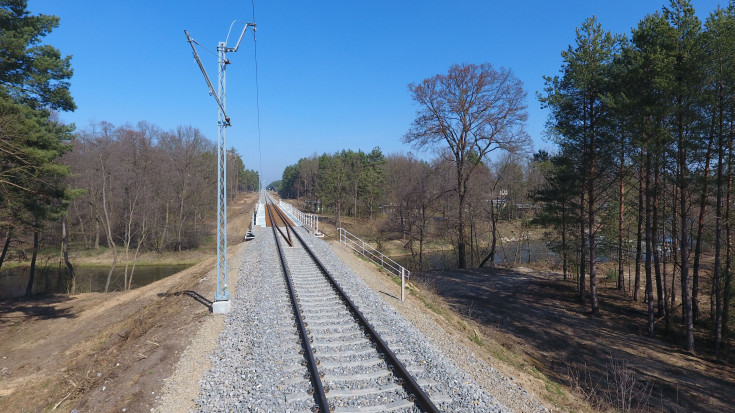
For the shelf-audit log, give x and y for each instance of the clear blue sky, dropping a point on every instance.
(332, 74)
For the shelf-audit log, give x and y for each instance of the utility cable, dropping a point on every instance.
(257, 103)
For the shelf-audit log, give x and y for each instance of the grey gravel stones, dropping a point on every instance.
(258, 366)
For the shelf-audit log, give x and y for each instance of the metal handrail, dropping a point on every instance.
(303, 219)
(367, 251)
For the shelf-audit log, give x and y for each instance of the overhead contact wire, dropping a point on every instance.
(257, 101)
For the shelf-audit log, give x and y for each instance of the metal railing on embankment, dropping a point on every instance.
(378, 258)
(309, 221)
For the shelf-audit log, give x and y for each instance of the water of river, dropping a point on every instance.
(13, 282)
(510, 252)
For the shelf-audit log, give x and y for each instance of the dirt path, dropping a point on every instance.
(541, 311)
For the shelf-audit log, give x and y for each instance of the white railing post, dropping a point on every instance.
(403, 284)
(359, 247)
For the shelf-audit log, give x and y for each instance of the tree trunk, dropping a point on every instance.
(32, 274)
(639, 234)
(472, 241)
(582, 242)
(180, 218)
(108, 228)
(592, 241)
(5, 247)
(727, 295)
(717, 272)
(461, 259)
(674, 245)
(422, 231)
(65, 250)
(700, 230)
(621, 211)
(135, 260)
(564, 238)
(667, 309)
(686, 292)
(166, 221)
(97, 233)
(85, 236)
(126, 243)
(656, 241)
(494, 238)
(649, 249)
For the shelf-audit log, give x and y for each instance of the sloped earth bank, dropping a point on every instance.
(108, 352)
(536, 313)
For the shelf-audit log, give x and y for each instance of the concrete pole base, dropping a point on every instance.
(221, 307)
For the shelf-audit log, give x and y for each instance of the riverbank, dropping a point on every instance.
(52, 276)
(105, 352)
(238, 216)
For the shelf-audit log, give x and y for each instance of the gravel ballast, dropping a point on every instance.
(258, 367)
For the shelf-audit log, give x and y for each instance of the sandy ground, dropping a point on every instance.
(107, 352)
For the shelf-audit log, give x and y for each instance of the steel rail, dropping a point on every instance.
(272, 206)
(319, 393)
(409, 383)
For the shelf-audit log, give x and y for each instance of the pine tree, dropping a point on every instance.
(33, 83)
(580, 119)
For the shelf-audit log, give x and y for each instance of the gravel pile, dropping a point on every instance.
(258, 366)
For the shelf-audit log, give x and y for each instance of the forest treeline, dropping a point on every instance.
(144, 187)
(413, 200)
(135, 189)
(346, 182)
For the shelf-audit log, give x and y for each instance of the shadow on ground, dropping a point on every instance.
(542, 310)
(190, 293)
(35, 308)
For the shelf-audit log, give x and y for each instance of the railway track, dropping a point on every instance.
(350, 366)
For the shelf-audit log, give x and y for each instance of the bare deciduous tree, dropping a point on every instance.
(473, 110)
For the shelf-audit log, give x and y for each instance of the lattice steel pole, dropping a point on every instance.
(221, 302)
(222, 294)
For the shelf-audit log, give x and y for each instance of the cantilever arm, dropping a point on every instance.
(244, 29)
(206, 77)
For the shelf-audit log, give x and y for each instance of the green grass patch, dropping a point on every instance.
(431, 306)
(611, 275)
(553, 388)
(475, 338)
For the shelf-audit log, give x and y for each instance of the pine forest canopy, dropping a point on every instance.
(645, 130)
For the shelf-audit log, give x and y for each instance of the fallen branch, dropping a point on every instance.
(61, 401)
